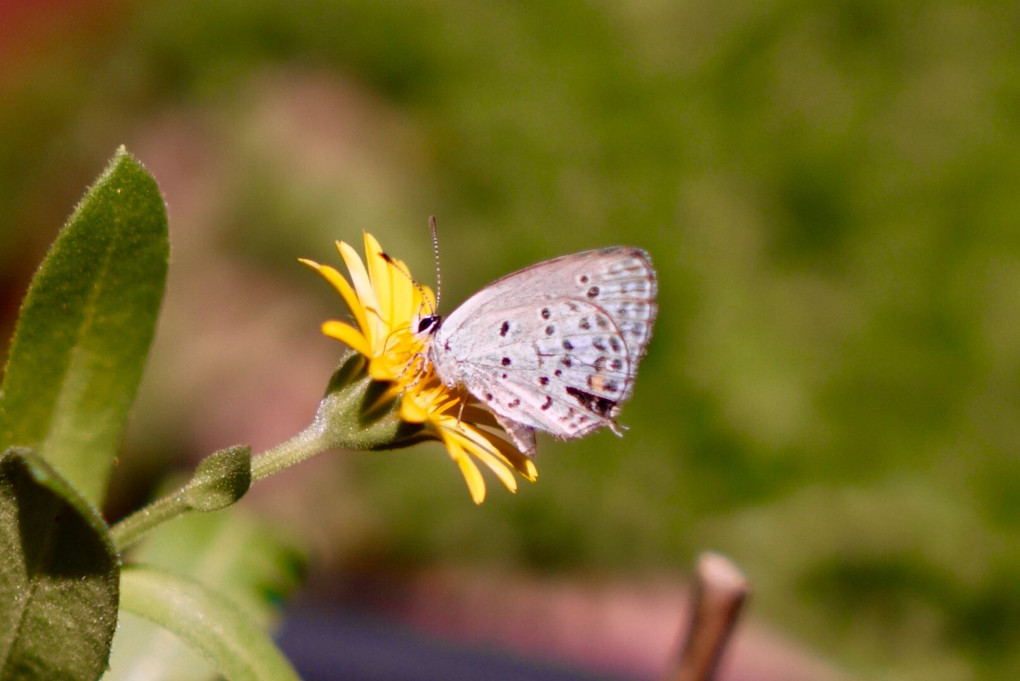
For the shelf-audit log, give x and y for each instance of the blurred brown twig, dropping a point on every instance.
(720, 591)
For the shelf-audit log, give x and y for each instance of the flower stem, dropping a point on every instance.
(133, 527)
(356, 413)
(304, 445)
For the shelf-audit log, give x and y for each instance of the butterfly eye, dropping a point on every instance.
(429, 323)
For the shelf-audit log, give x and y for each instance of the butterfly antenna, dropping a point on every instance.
(435, 252)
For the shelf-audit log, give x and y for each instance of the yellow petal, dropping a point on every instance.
(521, 463)
(530, 470)
(384, 368)
(407, 298)
(411, 412)
(346, 292)
(472, 476)
(345, 333)
(380, 276)
(476, 445)
(363, 285)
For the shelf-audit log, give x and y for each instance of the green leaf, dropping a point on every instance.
(58, 576)
(236, 554)
(85, 328)
(210, 623)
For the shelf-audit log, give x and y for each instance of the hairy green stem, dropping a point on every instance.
(302, 446)
(130, 529)
(356, 414)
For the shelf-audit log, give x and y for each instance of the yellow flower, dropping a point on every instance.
(383, 301)
(386, 304)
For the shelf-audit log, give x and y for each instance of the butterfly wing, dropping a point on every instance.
(555, 346)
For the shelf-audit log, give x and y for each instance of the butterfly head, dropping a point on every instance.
(428, 325)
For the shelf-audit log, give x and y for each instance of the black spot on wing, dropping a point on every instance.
(598, 405)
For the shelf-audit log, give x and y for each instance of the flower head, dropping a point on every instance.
(386, 304)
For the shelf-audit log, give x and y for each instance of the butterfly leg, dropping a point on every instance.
(420, 372)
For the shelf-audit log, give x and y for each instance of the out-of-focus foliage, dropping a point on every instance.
(827, 189)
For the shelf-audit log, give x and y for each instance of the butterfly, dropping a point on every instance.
(553, 347)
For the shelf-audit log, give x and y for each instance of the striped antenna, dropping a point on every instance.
(435, 251)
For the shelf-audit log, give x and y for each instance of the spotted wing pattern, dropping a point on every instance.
(555, 346)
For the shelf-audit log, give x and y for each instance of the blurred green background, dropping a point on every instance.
(828, 190)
